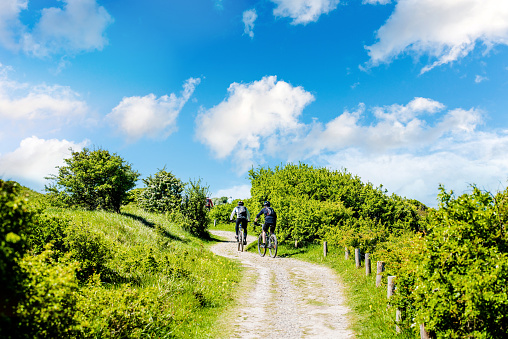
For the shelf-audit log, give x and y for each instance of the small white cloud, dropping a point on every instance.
(10, 26)
(250, 115)
(480, 78)
(446, 30)
(249, 17)
(303, 11)
(36, 158)
(236, 192)
(150, 116)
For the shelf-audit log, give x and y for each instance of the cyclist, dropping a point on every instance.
(270, 220)
(243, 217)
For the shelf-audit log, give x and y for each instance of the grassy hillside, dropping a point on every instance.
(127, 275)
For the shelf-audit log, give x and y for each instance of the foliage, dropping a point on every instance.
(461, 282)
(93, 180)
(336, 206)
(163, 193)
(193, 207)
(49, 306)
(15, 219)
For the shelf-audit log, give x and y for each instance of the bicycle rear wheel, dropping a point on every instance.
(273, 246)
(261, 250)
(240, 240)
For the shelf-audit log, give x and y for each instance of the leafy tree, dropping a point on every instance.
(163, 192)
(193, 208)
(93, 180)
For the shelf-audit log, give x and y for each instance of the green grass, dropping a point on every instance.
(168, 284)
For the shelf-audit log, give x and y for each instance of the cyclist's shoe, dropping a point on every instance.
(236, 237)
(245, 242)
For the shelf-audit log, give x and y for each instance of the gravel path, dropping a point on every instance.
(287, 299)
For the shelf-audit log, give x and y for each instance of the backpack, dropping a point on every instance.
(242, 212)
(269, 211)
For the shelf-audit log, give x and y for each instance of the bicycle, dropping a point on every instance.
(271, 243)
(240, 237)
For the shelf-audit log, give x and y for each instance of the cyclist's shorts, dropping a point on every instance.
(267, 226)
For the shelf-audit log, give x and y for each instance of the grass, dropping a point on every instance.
(167, 283)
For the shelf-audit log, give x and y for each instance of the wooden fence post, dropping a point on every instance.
(346, 253)
(367, 264)
(358, 262)
(391, 286)
(423, 333)
(398, 318)
(214, 222)
(296, 243)
(380, 269)
(325, 248)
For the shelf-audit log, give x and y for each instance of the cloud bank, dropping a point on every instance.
(446, 30)
(149, 116)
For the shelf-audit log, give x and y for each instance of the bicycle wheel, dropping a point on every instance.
(261, 250)
(240, 240)
(273, 246)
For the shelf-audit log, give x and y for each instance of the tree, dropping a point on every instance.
(93, 180)
(163, 192)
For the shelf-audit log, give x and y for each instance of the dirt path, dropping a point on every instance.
(285, 298)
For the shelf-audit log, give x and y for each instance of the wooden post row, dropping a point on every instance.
(380, 269)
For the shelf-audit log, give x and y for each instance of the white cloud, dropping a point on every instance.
(236, 192)
(446, 29)
(78, 26)
(10, 26)
(303, 11)
(252, 114)
(150, 116)
(249, 17)
(36, 158)
(22, 101)
(480, 78)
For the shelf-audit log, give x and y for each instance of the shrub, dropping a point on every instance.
(48, 309)
(93, 180)
(163, 193)
(15, 220)
(194, 210)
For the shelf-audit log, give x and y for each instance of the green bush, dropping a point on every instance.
(193, 207)
(49, 307)
(15, 220)
(163, 193)
(93, 180)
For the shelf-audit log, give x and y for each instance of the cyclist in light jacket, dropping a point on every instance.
(243, 217)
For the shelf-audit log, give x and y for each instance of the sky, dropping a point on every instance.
(407, 94)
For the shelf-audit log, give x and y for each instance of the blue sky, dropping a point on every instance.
(408, 94)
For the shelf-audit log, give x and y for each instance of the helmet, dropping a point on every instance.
(267, 203)
(240, 203)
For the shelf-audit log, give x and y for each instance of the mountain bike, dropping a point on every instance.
(271, 244)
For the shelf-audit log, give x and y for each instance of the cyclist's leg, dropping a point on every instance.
(236, 227)
(244, 225)
(264, 228)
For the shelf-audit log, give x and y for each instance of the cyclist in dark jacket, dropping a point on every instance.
(270, 219)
